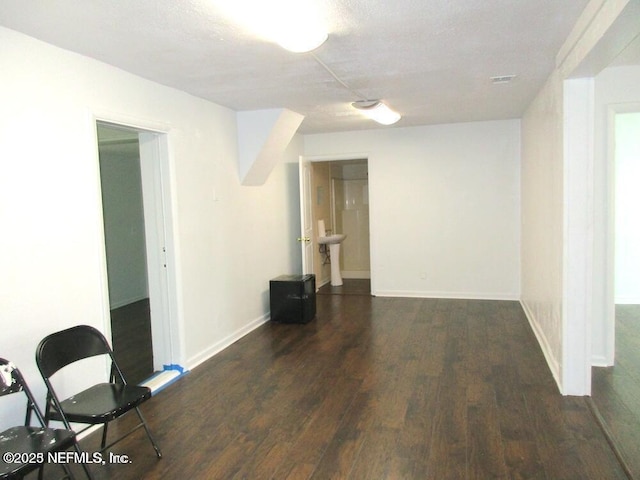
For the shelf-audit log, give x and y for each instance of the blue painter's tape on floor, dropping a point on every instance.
(161, 380)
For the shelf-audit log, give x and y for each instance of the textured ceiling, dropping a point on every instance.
(431, 60)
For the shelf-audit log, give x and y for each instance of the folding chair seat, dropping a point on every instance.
(25, 448)
(98, 404)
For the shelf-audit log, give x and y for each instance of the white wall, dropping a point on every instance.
(556, 222)
(564, 284)
(444, 207)
(627, 159)
(231, 240)
(542, 214)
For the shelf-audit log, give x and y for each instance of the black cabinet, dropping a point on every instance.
(293, 298)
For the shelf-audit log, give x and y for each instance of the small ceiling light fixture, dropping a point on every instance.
(378, 111)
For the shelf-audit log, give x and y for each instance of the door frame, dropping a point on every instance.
(307, 196)
(306, 216)
(162, 262)
(606, 323)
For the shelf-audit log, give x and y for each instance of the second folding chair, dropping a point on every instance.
(25, 448)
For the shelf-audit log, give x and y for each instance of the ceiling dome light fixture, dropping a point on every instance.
(300, 40)
(378, 111)
(296, 25)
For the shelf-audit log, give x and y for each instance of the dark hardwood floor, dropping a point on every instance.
(131, 332)
(350, 286)
(373, 388)
(616, 390)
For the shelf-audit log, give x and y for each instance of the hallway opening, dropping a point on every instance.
(137, 239)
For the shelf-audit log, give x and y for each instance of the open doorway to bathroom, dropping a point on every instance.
(341, 199)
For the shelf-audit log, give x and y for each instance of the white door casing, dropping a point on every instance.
(306, 217)
(154, 219)
(161, 244)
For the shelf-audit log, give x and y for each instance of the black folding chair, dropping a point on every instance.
(100, 403)
(26, 448)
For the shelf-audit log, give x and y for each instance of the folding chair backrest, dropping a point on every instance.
(10, 378)
(68, 346)
(12, 381)
(8, 382)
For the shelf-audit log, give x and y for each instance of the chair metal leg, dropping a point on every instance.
(84, 465)
(104, 436)
(68, 472)
(146, 429)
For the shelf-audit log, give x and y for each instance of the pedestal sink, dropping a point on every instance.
(334, 242)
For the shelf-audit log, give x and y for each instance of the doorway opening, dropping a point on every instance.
(339, 198)
(615, 388)
(130, 163)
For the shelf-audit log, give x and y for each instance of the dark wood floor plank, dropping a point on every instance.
(381, 457)
(448, 442)
(131, 340)
(380, 388)
(484, 440)
(521, 456)
(347, 442)
(564, 435)
(621, 420)
(419, 423)
(616, 390)
(522, 460)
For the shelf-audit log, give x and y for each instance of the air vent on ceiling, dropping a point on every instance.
(502, 79)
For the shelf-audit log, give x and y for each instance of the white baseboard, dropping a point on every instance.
(552, 363)
(599, 361)
(225, 342)
(627, 301)
(449, 295)
(356, 274)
